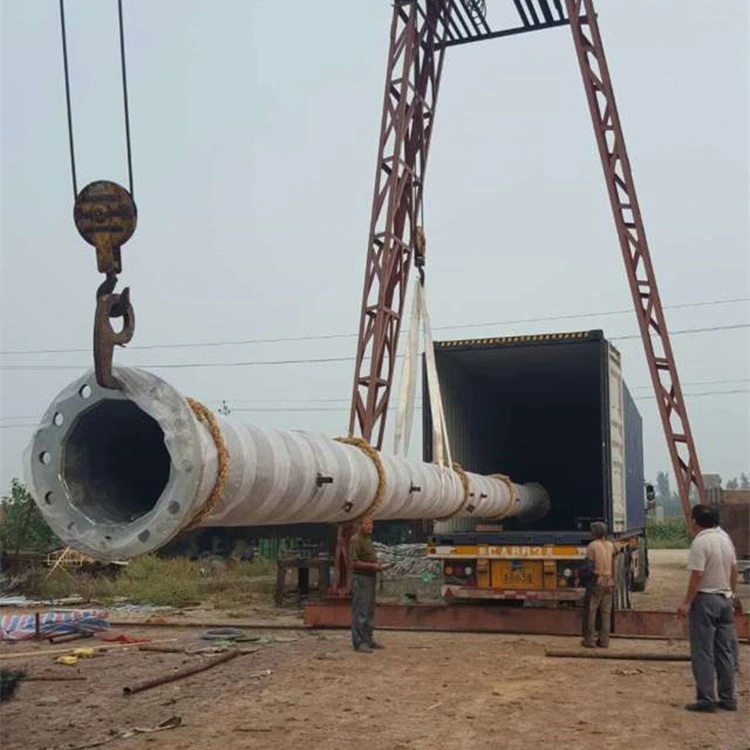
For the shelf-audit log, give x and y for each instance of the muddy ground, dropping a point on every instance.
(423, 691)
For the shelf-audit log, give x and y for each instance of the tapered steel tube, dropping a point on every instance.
(119, 473)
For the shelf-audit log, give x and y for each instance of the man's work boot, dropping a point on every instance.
(588, 644)
(363, 649)
(704, 706)
(602, 644)
(375, 645)
(727, 705)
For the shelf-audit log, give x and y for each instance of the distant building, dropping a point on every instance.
(711, 481)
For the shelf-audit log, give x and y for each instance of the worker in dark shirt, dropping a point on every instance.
(365, 567)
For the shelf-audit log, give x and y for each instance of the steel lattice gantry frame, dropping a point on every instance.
(635, 250)
(421, 30)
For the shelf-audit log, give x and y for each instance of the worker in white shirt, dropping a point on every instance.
(708, 605)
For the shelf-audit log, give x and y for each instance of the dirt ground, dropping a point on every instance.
(423, 691)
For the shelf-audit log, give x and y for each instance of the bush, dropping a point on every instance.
(41, 583)
(22, 526)
(172, 582)
(671, 533)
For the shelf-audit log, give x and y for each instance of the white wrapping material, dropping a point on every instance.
(441, 451)
(273, 477)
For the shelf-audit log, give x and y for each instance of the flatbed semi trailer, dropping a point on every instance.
(552, 409)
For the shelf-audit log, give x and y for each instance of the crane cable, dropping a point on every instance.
(126, 107)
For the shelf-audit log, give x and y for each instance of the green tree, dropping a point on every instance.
(744, 482)
(663, 490)
(22, 526)
(666, 497)
(733, 484)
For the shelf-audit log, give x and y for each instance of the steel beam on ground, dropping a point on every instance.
(479, 618)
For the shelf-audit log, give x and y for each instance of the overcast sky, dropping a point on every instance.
(255, 128)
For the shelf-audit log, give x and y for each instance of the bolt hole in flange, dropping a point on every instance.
(58, 419)
(84, 391)
(49, 498)
(45, 457)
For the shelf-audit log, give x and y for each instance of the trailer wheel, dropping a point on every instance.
(641, 572)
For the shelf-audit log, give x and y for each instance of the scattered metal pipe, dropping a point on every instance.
(118, 473)
(563, 653)
(180, 673)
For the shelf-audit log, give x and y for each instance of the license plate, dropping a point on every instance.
(516, 574)
(518, 578)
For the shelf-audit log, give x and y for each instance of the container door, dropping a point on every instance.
(616, 441)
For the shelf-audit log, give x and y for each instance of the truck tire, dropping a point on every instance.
(641, 572)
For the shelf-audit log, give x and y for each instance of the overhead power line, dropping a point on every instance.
(306, 401)
(697, 382)
(231, 401)
(312, 360)
(418, 406)
(329, 336)
(294, 410)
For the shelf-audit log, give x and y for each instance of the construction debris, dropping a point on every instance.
(223, 634)
(162, 649)
(68, 638)
(70, 660)
(186, 672)
(50, 651)
(123, 638)
(163, 622)
(406, 560)
(601, 654)
(172, 723)
(50, 624)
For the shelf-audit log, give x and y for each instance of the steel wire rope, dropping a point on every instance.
(69, 108)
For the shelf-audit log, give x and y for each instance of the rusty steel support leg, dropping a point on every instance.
(635, 251)
(411, 87)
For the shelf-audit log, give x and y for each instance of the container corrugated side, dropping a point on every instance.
(634, 472)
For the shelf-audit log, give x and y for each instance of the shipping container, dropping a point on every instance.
(552, 409)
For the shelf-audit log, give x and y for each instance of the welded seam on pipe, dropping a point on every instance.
(374, 456)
